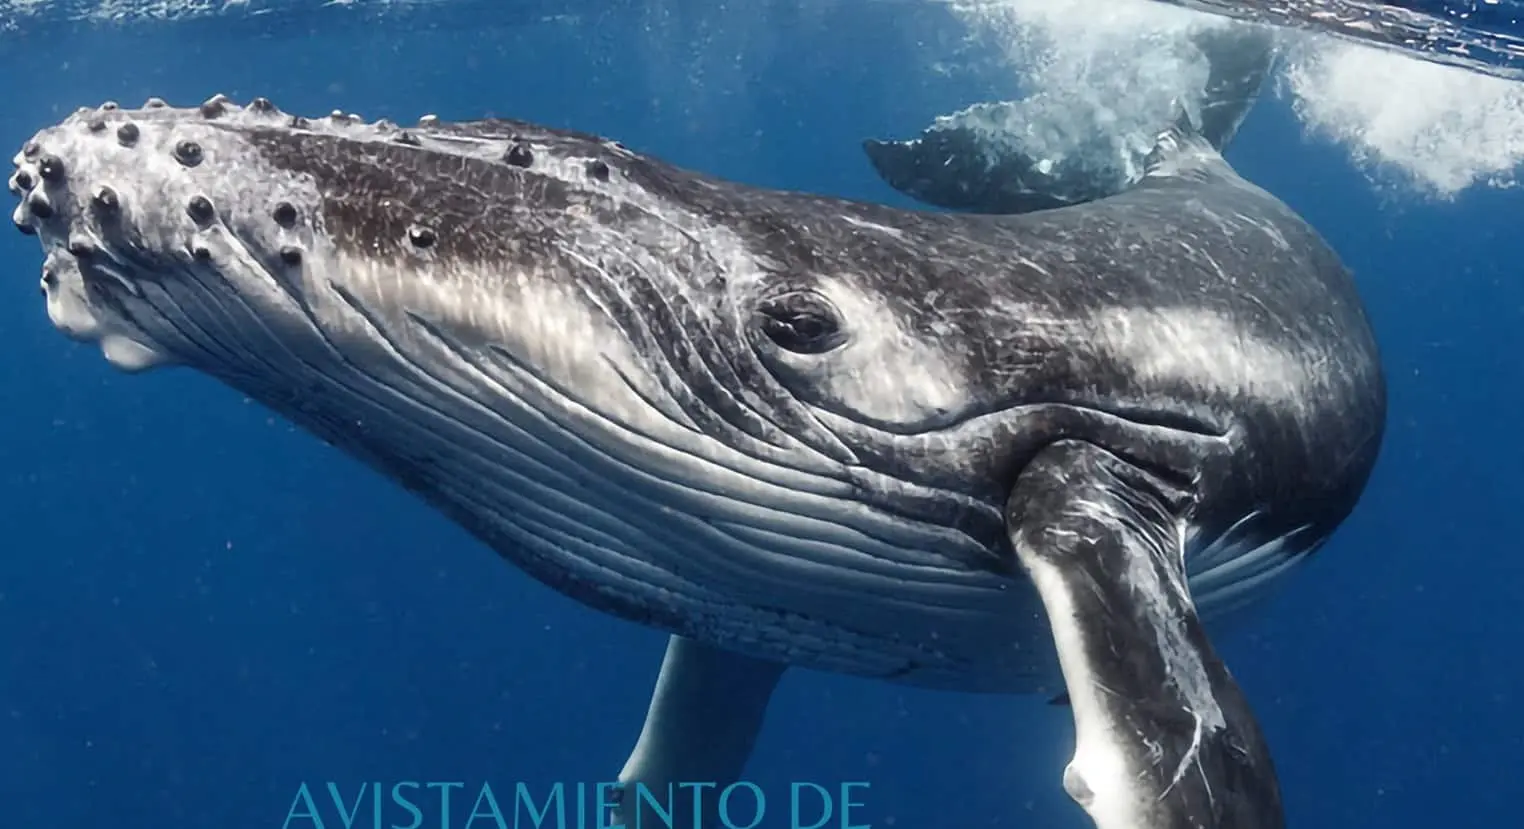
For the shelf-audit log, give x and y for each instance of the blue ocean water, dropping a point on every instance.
(202, 608)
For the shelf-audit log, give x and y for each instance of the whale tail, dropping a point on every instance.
(1240, 58)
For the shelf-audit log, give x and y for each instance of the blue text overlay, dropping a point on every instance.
(413, 804)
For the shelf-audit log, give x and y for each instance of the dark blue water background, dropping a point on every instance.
(200, 607)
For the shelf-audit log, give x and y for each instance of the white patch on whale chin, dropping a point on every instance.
(69, 307)
(73, 314)
(131, 356)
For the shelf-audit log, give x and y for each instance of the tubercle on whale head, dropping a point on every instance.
(133, 205)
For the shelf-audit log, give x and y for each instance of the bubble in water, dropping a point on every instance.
(1440, 128)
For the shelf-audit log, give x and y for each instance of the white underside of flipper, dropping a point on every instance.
(1100, 776)
(704, 718)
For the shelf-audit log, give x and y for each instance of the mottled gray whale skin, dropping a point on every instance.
(1054, 149)
(977, 453)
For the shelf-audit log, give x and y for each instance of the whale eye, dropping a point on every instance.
(803, 322)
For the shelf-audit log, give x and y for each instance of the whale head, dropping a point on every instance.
(520, 322)
(208, 236)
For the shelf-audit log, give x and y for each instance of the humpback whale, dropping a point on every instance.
(1055, 148)
(993, 454)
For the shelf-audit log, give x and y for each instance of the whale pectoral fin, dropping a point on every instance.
(1163, 736)
(703, 720)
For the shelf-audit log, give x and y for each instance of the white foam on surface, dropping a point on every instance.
(1435, 130)
(1131, 55)
(16, 12)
